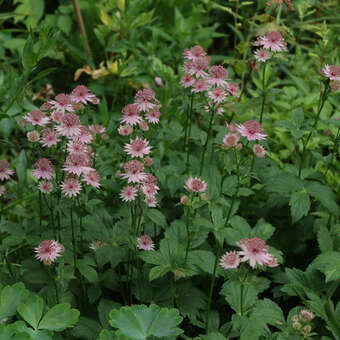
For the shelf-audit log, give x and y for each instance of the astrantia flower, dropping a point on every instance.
(217, 95)
(195, 184)
(81, 94)
(262, 55)
(84, 135)
(43, 168)
(230, 140)
(71, 187)
(151, 201)
(252, 130)
(57, 116)
(128, 194)
(146, 99)
(259, 150)
(48, 251)
(199, 67)
(200, 85)
(70, 125)
(49, 138)
(125, 130)
(33, 136)
(218, 74)
(131, 114)
(331, 72)
(254, 250)
(233, 89)
(95, 245)
(230, 260)
(78, 163)
(306, 315)
(272, 262)
(153, 116)
(149, 190)
(92, 178)
(134, 171)
(45, 187)
(37, 117)
(143, 125)
(138, 147)
(62, 103)
(272, 41)
(97, 128)
(145, 243)
(194, 52)
(76, 146)
(5, 170)
(187, 80)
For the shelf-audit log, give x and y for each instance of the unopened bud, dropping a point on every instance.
(148, 161)
(185, 199)
(239, 146)
(33, 136)
(105, 136)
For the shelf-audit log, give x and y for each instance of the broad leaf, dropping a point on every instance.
(299, 205)
(31, 310)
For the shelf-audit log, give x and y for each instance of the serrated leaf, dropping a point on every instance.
(329, 264)
(299, 205)
(87, 271)
(157, 217)
(262, 230)
(59, 318)
(141, 322)
(325, 239)
(31, 310)
(86, 329)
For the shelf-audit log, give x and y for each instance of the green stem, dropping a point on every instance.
(74, 245)
(54, 283)
(188, 133)
(187, 225)
(322, 100)
(264, 92)
(212, 283)
(207, 140)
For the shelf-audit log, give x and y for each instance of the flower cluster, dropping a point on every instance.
(203, 78)
(145, 242)
(255, 250)
(60, 125)
(134, 172)
(301, 322)
(48, 251)
(271, 42)
(5, 173)
(332, 72)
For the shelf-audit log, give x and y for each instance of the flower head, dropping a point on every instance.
(138, 147)
(252, 130)
(187, 80)
(146, 99)
(43, 168)
(194, 52)
(200, 85)
(49, 138)
(233, 89)
(195, 185)
(153, 116)
(45, 187)
(62, 102)
(5, 170)
(92, 178)
(70, 187)
(128, 194)
(259, 150)
(306, 315)
(272, 41)
(230, 260)
(199, 67)
(81, 94)
(254, 250)
(145, 243)
(158, 81)
(134, 171)
(125, 130)
(331, 72)
(131, 114)
(272, 262)
(217, 95)
(230, 140)
(48, 251)
(37, 117)
(218, 74)
(70, 125)
(84, 135)
(262, 55)
(78, 163)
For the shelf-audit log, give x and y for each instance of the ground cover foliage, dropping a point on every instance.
(169, 169)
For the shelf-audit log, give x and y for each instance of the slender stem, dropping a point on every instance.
(322, 100)
(54, 283)
(241, 298)
(74, 245)
(188, 133)
(207, 140)
(212, 283)
(187, 225)
(263, 91)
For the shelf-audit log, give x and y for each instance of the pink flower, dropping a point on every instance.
(145, 243)
(49, 138)
(252, 130)
(217, 95)
(233, 89)
(62, 103)
(149, 190)
(37, 117)
(272, 262)
(92, 178)
(43, 168)
(195, 184)
(76, 146)
(306, 315)
(199, 66)
(200, 85)
(33, 136)
(5, 171)
(71, 187)
(194, 52)
(259, 150)
(131, 114)
(45, 187)
(70, 125)
(57, 116)
(81, 94)
(254, 250)
(97, 129)
(262, 55)
(187, 80)
(138, 147)
(143, 125)
(128, 194)
(158, 81)
(48, 251)
(272, 41)
(153, 116)
(145, 99)
(331, 72)
(134, 171)
(78, 163)
(232, 127)
(84, 135)
(230, 140)
(218, 74)
(125, 130)
(150, 201)
(230, 260)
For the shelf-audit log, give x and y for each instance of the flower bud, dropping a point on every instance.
(185, 199)
(33, 136)
(159, 81)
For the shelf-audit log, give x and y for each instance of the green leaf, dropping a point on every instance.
(87, 271)
(86, 329)
(325, 240)
(329, 264)
(142, 322)
(59, 318)
(21, 168)
(156, 217)
(262, 230)
(299, 205)
(111, 335)
(28, 56)
(10, 298)
(31, 310)
(64, 22)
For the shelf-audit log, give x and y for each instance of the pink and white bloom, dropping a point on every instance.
(217, 95)
(78, 163)
(49, 138)
(200, 85)
(62, 103)
(96, 128)
(84, 135)
(128, 194)
(252, 130)
(272, 262)
(143, 125)
(70, 125)
(45, 187)
(272, 41)
(262, 55)
(254, 250)
(149, 190)
(76, 146)
(48, 250)
(199, 67)
(134, 172)
(233, 89)
(187, 80)
(5, 170)
(230, 140)
(131, 114)
(150, 201)
(138, 147)
(125, 130)
(145, 100)
(259, 150)
(158, 81)
(43, 168)
(92, 178)
(33, 136)
(153, 116)
(230, 260)
(194, 53)
(218, 74)
(331, 72)
(71, 187)
(81, 94)
(145, 242)
(195, 184)
(37, 117)
(57, 116)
